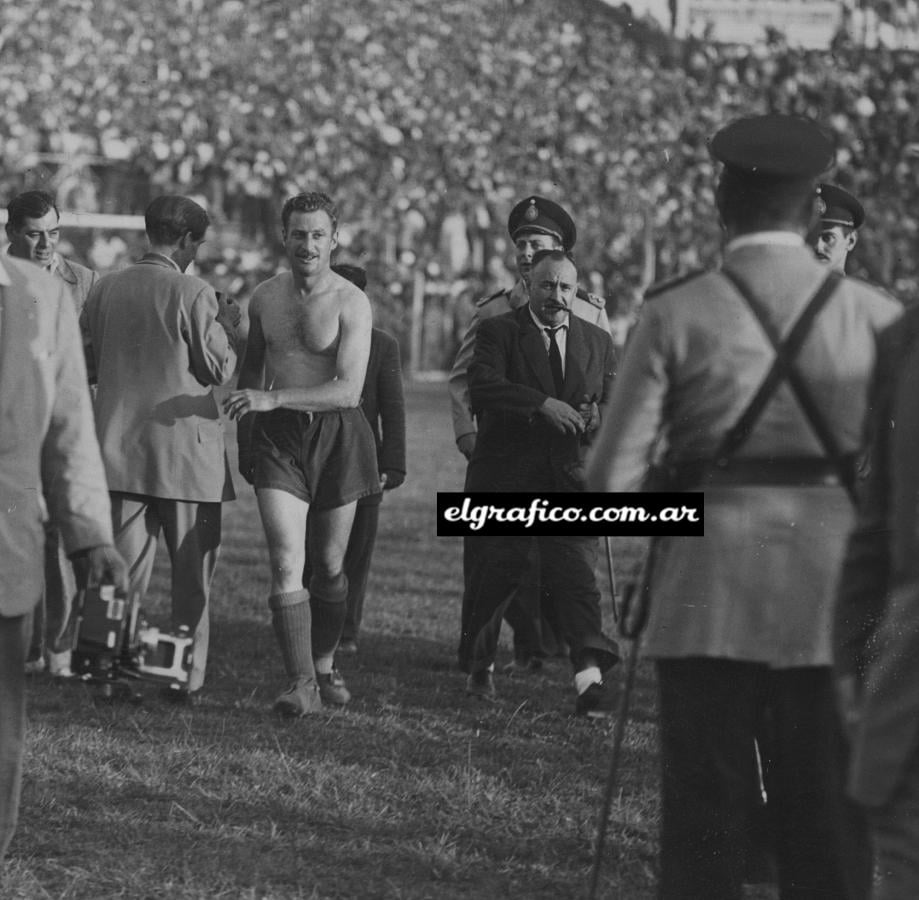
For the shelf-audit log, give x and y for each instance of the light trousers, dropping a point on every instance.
(192, 534)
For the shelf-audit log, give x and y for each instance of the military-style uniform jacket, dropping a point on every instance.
(760, 585)
(586, 306)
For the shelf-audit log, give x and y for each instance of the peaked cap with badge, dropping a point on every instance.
(544, 217)
(838, 207)
(773, 148)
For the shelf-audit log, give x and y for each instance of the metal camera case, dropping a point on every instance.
(163, 656)
(112, 642)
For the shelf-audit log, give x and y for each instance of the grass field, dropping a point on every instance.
(413, 791)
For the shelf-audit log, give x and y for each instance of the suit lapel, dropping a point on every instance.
(576, 355)
(534, 350)
(66, 271)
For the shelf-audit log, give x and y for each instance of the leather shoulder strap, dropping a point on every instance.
(784, 369)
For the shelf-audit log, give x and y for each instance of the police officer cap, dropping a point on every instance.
(839, 207)
(774, 146)
(544, 217)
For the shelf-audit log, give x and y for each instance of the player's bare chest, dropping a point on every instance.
(301, 325)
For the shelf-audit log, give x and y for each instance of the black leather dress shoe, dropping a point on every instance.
(599, 701)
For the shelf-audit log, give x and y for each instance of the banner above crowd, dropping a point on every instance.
(802, 23)
(805, 23)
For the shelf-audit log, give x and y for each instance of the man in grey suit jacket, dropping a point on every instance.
(157, 342)
(34, 231)
(877, 619)
(47, 448)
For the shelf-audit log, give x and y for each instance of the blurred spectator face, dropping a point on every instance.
(36, 239)
(309, 240)
(833, 245)
(525, 248)
(552, 290)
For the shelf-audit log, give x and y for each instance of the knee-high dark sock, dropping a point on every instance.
(290, 616)
(329, 604)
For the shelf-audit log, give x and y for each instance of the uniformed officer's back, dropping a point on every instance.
(750, 383)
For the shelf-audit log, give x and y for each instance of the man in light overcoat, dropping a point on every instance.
(33, 227)
(49, 463)
(157, 342)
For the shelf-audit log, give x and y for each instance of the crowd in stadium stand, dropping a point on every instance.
(885, 23)
(426, 121)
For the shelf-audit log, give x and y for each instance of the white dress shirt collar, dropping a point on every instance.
(561, 334)
(771, 238)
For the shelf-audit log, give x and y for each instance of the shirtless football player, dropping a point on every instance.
(308, 444)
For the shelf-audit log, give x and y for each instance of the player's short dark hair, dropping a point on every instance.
(310, 201)
(557, 255)
(763, 203)
(29, 205)
(168, 217)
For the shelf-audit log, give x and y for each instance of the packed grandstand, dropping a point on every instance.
(427, 120)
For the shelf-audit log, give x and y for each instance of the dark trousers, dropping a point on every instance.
(358, 556)
(567, 570)
(895, 829)
(710, 712)
(530, 612)
(524, 612)
(15, 632)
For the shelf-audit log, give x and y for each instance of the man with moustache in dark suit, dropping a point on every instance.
(537, 379)
(535, 223)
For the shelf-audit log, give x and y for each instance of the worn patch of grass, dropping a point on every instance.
(411, 792)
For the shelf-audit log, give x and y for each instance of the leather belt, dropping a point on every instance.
(793, 471)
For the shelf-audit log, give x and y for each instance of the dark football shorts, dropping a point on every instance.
(327, 459)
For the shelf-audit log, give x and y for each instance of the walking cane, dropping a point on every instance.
(610, 570)
(631, 630)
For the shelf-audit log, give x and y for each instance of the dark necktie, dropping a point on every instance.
(555, 361)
